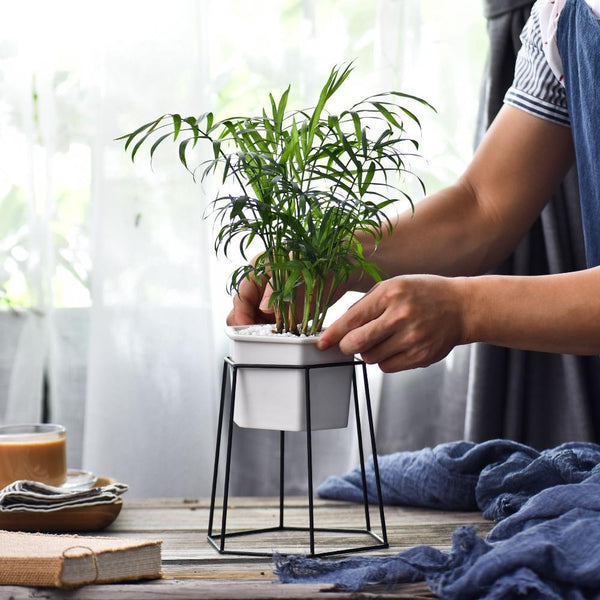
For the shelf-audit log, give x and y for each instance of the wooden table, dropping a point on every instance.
(192, 569)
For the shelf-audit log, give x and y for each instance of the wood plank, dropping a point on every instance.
(343, 515)
(234, 501)
(210, 590)
(193, 545)
(301, 502)
(259, 569)
(183, 528)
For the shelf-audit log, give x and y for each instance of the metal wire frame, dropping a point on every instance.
(218, 540)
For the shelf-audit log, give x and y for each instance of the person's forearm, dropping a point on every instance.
(550, 313)
(470, 227)
(446, 235)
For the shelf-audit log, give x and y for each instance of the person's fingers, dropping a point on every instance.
(246, 304)
(403, 323)
(242, 313)
(383, 350)
(266, 298)
(402, 361)
(402, 351)
(385, 331)
(363, 312)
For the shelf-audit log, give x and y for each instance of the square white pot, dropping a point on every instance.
(275, 398)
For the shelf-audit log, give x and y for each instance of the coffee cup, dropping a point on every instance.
(33, 451)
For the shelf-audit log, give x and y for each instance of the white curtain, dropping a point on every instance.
(124, 302)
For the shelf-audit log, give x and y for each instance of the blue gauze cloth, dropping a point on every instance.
(546, 545)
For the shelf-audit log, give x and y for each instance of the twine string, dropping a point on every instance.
(92, 554)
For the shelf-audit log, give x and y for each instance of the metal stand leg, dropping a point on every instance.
(218, 541)
(217, 450)
(281, 475)
(311, 510)
(361, 453)
(374, 451)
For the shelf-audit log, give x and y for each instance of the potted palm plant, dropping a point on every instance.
(303, 184)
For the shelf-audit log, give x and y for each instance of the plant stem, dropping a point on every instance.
(278, 318)
(317, 320)
(308, 300)
(292, 325)
(326, 304)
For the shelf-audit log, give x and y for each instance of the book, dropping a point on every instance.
(42, 559)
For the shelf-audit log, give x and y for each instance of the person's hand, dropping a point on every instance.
(402, 323)
(251, 303)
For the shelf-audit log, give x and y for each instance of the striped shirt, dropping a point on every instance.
(538, 86)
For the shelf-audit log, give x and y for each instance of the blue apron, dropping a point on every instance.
(578, 39)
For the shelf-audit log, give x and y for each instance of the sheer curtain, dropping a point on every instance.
(121, 334)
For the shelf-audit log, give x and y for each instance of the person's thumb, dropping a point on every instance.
(264, 303)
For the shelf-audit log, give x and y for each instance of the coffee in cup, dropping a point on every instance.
(35, 451)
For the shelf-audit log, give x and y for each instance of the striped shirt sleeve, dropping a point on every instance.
(535, 88)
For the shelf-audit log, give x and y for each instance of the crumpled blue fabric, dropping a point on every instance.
(496, 476)
(546, 543)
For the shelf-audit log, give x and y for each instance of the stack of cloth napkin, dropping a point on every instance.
(546, 543)
(34, 496)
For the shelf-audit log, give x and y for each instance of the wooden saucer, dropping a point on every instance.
(71, 518)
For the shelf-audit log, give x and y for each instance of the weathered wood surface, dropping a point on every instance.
(193, 569)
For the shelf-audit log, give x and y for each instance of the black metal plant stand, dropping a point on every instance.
(218, 539)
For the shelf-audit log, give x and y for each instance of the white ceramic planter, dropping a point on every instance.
(275, 398)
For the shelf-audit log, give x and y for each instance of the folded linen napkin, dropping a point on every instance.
(35, 496)
(546, 545)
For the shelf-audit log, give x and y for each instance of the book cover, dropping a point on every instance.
(40, 559)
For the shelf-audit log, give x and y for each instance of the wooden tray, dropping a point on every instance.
(72, 518)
